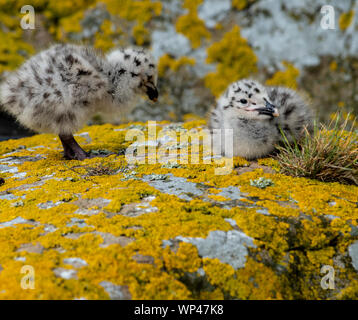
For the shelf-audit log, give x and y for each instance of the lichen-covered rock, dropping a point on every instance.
(108, 229)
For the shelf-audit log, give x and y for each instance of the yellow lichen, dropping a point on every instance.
(287, 78)
(191, 25)
(333, 65)
(141, 34)
(13, 50)
(105, 39)
(234, 58)
(240, 162)
(141, 11)
(167, 62)
(346, 19)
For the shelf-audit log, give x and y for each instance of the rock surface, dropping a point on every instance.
(107, 229)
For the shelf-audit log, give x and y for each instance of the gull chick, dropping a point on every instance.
(60, 89)
(256, 115)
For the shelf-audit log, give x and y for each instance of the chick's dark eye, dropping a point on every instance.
(243, 101)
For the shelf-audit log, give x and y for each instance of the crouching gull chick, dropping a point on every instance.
(257, 116)
(59, 89)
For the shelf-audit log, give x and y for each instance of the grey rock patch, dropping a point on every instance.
(20, 160)
(77, 222)
(332, 203)
(167, 243)
(11, 223)
(87, 212)
(29, 247)
(201, 272)
(49, 228)
(353, 252)
(214, 11)
(116, 292)
(30, 186)
(7, 160)
(156, 177)
(172, 8)
(7, 196)
(23, 259)
(48, 177)
(231, 221)
(338, 262)
(75, 262)
(177, 186)
(145, 205)
(331, 216)
(65, 273)
(137, 209)
(49, 204)
(149, 143)
(263, 211)
(169, 41)
(229, 247)
(59, 249)
(274, 36)
(7, 169)
(232, 193)
(20, 175)
(163, 140)
(354, 231)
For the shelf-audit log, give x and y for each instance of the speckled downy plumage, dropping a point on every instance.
(59, 90)
(257, 114)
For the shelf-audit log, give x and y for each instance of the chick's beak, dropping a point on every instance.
(269, 110)
(272, 109)
(152, 93)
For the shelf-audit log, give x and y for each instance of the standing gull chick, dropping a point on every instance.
(257, 114)
(58, 90)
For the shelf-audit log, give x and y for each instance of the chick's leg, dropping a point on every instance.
(72, 150)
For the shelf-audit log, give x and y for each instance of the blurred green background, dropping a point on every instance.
(202, 46)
